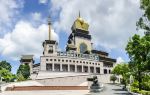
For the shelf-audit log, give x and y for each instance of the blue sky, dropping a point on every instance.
(23, 25)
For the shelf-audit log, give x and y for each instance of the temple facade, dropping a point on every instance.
(79, 57)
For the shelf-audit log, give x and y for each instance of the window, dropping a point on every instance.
(54, 59)
(105, 71)
(86, 62)
(50, 49)
(77, 61)
(109, 71)
(73, 61)
(62, 60)
(66, 60)
(83, 48)
(69, 60)
(46, 59)
(59, 60)
(51, 59)
(80, 61)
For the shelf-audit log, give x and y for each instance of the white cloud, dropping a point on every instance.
(120, 60)
(112, 22)
(25, 39)
(36, 16)
(43, 1)
(8, 10)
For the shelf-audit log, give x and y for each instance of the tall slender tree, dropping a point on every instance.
(24, 69)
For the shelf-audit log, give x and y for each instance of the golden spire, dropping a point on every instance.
(49, 27)
(79, 14)
(79, 23)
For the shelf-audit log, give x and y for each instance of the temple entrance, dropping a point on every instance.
(85, 69)
(65, 67)
(72, 68)
(49, 67)
(91, 69)
(79, 68)
(105, 71)
(56, 67)
(98, 70)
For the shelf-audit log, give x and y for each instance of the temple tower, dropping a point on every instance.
(50, 46)
(79, 40)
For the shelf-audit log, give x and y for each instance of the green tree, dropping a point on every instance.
(7, 75)
(113, 78)
(24, 69)
(143, 22)
(20, 77)
(123, 70)
(6, 65)
(138, 49)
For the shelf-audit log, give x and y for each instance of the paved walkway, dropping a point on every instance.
(108, 90)
(113, 90)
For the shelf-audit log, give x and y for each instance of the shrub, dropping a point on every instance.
(135, 84)
(135, 90)
(113, 78)
(143, 92)
(146, 86)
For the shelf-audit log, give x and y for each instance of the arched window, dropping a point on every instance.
(83, 48)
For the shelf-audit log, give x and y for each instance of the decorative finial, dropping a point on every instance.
(49, 27)
(79, 14)
(49, 20)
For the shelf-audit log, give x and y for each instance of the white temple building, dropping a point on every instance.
(78, 61)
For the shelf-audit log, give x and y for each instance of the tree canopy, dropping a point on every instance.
(123, 70)
(6, 65)
(24, 70)
(138, 49)
(143, 22)
(7, 75)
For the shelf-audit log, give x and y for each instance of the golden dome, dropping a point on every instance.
(79, 23)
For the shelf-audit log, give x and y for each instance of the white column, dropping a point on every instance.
(75, 68)
(107, 71)
(53, 67)
(100, 70)
(68, 68)
(94, 69)
(89, 69)
(60, 67)
(82, 68)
